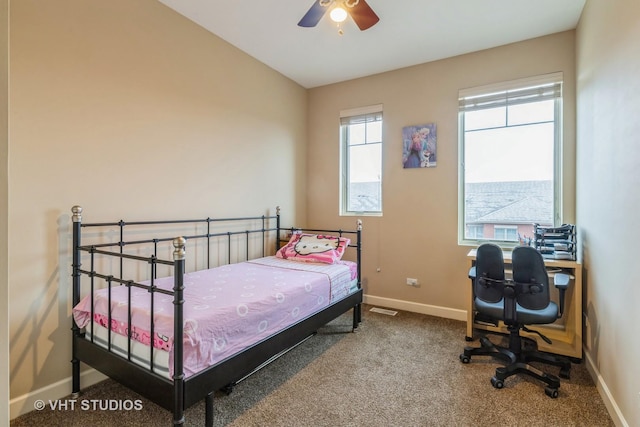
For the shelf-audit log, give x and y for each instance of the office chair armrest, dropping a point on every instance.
(561, 282)
(472, 272)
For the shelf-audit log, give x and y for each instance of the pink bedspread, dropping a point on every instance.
(226, 309)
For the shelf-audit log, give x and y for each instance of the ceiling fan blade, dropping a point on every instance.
(363, 15)
(315, 14)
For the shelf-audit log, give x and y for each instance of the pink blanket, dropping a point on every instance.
(227, 308)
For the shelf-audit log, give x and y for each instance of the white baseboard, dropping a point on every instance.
(432, 310)
(614, 411)
(25, 403)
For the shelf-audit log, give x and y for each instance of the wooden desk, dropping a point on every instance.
(566, 332)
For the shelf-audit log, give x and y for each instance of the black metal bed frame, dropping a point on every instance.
(179, 393)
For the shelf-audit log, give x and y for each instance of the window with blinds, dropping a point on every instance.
(361, 165)
(510, 169)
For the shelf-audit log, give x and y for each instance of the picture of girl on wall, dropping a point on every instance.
(419, 146)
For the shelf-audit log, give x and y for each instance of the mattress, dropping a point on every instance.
(140, 353)
(227, 309)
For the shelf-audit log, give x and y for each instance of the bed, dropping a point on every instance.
(240, 292)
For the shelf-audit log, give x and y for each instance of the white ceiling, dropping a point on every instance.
(410, 32)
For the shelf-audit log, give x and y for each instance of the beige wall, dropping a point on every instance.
(168, 119)
(133, 112)
(4, 145)
(417, 236)
(608, 195)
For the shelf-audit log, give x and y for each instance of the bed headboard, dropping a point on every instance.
(210, 241)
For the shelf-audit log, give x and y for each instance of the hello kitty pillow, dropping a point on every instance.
(314, 248)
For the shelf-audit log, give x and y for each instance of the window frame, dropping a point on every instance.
(496, 89)
(345, 158)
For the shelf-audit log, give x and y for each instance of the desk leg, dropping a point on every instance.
(469, 336)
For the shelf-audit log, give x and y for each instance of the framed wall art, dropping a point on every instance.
(419, 146)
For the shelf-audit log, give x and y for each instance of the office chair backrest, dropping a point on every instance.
(528, 268)
(489, 265)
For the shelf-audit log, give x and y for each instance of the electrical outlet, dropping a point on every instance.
(412, 282)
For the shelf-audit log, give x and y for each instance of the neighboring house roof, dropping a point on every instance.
(528, 210)
(517, 202)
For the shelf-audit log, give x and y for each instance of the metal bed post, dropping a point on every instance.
(75, 362)
(121, 224)
(357, 311)
(264, 233)
(246, 234)
(208, 410)
(152, 302)
(277, 228)
(178, 301)
(208, 242)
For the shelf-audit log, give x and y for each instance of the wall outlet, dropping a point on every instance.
(412, 282)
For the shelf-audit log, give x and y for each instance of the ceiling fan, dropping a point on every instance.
(359, 10)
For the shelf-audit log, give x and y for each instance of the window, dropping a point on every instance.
(509, 136)
(506, 233)
(475, 231)
(361, 162)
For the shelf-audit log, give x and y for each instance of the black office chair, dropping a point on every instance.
(524, 300)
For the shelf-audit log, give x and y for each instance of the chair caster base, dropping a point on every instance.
(497, 383)
(518, 363)
(551, 392)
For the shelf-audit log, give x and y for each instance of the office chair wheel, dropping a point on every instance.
(497, 383)
(464, 358)
(565, 373)
(551, 392)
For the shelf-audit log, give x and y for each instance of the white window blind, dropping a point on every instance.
(361, 119)
(515, 92)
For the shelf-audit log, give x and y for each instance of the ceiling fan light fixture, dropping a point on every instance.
(338, 14)
(361, 13)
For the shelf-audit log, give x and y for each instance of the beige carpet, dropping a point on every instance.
(394, 371)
